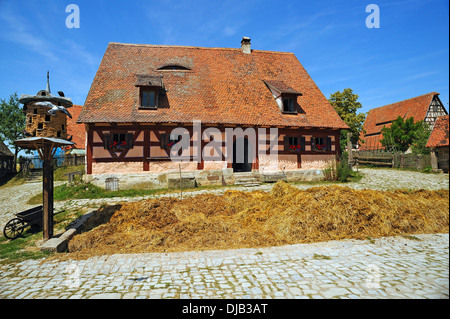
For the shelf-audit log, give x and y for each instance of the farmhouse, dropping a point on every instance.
(238, 109)
(425, 107)
(438, 142)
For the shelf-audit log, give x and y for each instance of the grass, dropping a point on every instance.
(91, 191)
(11, 180)
(58, 175)
(25, 247)
(22, 248)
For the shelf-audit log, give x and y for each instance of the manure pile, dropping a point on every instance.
(285, 215)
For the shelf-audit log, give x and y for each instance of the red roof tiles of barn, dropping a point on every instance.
(439, 136)
(221, 86)
(379, 117)
(76, 130)
(416, 107)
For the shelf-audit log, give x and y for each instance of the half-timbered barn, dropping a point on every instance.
(425, 107)
(438, 142)
(142, 93)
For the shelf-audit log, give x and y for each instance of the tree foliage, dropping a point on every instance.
(403, 134)
(12, 121)
(346, 105)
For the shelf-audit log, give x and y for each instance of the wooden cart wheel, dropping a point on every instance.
(14, 228)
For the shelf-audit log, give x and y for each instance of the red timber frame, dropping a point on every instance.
(146, 157)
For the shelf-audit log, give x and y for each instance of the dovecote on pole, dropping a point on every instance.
(45, 113)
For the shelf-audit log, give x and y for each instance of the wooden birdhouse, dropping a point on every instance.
(46, 113)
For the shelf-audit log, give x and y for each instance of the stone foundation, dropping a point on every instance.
(202, 177)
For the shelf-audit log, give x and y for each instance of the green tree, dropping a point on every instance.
(346, 105)
(403, 134)
(12, 122)
(421, 135)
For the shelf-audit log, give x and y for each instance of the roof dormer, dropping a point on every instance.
(285, 96)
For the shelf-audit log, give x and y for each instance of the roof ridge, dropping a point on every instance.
(411, 98)
(193, 47)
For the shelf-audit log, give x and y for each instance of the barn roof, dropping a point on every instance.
(4, 150)
(439, 136)
(377, 118)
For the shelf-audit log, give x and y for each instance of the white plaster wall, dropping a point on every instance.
(117, 168)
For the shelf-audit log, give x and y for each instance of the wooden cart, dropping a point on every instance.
(31, 217)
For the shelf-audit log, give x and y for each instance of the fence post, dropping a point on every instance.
(402, 160)
(350, 149)
(434, 161)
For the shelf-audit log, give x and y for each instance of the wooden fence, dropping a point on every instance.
(27, 163)
(394, 160)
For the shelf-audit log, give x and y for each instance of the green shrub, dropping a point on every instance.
(343, 170)
(329, 172)
(427, 169)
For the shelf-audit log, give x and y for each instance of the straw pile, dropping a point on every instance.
(286, 215)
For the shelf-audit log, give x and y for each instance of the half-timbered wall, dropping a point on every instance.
(436, 109)
(145, 149)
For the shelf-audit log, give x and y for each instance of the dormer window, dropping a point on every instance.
(149, 88)
(149, 97)
(285, 96)
(289, 104)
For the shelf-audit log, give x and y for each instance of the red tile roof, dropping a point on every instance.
(221, 86)
(439, 135)
(379, 117)
(76, 130)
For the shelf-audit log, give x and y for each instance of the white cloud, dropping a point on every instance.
(16, 29)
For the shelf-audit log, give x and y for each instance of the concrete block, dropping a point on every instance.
(186, 182)
(273, 177)
(55, 245)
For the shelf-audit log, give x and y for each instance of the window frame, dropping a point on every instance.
(114, 142)
(166, 140)
(292, 146)
(145, 89)
(292, 107)
(325, 144)
(298, 146)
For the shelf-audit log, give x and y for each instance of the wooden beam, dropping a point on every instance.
(47, 188)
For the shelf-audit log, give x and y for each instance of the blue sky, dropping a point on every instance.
(406, 57)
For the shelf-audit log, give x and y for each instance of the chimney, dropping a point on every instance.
(245, 45)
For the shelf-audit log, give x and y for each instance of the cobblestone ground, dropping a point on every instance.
(394, 267)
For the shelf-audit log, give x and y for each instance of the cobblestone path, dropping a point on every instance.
(392, 267)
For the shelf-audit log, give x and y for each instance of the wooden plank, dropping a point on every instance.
(375, 163)
(374, 158)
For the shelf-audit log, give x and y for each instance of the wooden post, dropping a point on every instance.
(47, 185)
(181, 185)
(349, 149)
(434, 161)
